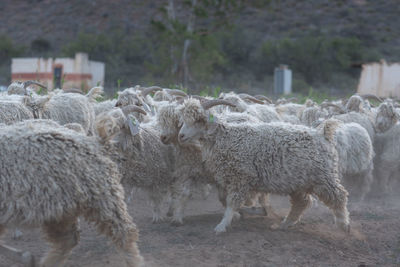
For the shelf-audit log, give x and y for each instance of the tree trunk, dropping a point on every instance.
(185, 65)
(186, 45)
(172, 50)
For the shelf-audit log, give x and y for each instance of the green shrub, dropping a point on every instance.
(314, 58)
(300, 86)
(8, 49)
(40, 46)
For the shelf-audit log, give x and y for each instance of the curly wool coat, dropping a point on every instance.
(144, 161)
(11, 112)
(72, 108)
(267, 157)
(49, 172)
(356, 154)
(50, 175)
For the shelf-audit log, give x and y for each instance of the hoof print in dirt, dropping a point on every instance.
(253, 211)
(237, 216)
(176, 223)
(346, 228)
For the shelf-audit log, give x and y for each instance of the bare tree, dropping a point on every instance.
(198, 18)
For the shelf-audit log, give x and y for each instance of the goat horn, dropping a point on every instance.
(262, 97)
(27, 83)
(73, 90)
(200, 98)
(250, 98)
(179, 99)
(371, 96)
(242, 95)
(175, 92)
(118, 104)
(150, 89)
(281, 101)
(132, 108)
(215, 102)
(332, 105)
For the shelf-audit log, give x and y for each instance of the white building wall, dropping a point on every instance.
(68, 64)
(77, 71)
(23, 65)
(381, 79)
(97, 70)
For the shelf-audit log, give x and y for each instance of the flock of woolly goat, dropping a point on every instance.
(65, 155)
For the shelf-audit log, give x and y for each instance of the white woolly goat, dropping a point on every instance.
(355, 110)
(257, 108)
(74, 178)
(145, 162)
(11, 112)
(71, 107)
(262, 112)
(168, 95)
(289, 109)
(134, 96)
(363, 119)
(15, 108)
(140, 96)
(310, 115)
(104, 106)
(266, 157)
(355, 103)
(22, 88)
(130, 96)
(387, 148)
(189, 169)
(356, 155)
(293, 113)
(358, 104)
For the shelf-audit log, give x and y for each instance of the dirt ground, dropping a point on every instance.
(374, 239)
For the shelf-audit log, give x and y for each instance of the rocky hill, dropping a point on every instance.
(50, 25)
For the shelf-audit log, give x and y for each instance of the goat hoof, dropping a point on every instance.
(345, 227)
(17, 234)
(158, 220)
(220, 228)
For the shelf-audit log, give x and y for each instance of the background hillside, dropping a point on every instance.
(322, 41)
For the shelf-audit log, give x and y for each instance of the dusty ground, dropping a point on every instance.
(374, 239)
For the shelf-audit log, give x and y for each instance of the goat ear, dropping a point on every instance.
(396, 116)
(212, 124)
(133, 125)
(146, 107)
